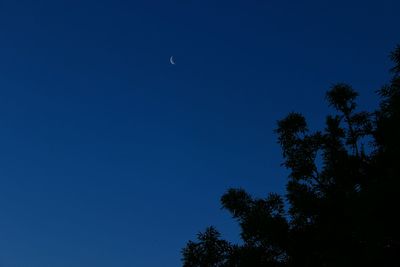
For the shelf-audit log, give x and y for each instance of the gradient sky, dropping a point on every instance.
(111, 156)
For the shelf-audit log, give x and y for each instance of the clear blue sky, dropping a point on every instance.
(111, 156)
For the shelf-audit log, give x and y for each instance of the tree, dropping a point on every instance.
(342, 193)
(209, 251)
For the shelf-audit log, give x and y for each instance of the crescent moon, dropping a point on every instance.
(171, 60)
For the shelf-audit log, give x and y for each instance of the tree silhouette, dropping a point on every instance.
(209, 251)
(342, 193)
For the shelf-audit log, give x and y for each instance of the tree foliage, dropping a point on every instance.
(342, 193)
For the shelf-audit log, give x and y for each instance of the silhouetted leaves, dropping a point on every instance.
(209, 251)
(342, 193)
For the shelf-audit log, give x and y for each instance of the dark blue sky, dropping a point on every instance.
(110, 156)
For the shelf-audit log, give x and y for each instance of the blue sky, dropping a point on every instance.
(111, 156)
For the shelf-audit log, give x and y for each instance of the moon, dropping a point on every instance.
(171, 60)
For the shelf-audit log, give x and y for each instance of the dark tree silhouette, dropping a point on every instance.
(209, 251)
(342, 193)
